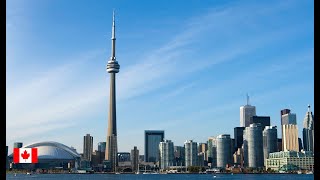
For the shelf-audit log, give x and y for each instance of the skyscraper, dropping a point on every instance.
(102, 146)
(253, 136)
(179, 155)
(224, 156)
(212, 151)
(232, 150)
(238, 137)
(112, 68)
(263, 120)
(246, 112)
(238, 157)
(279, 144)
(308, 131)
(87, 147)
(200, 159)
(152, 139)
(191, 153)
(270, 141)
(101, 151)
(245, 149)
(289, 118)
(283, 112)
(135, 159)
(202, 148)
(290, 137)
(166, 154)
(289, 132)
(300, 144)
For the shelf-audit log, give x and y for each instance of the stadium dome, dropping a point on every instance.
(51, 155)
(53, 150)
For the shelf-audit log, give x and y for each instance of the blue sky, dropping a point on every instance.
(185, 67)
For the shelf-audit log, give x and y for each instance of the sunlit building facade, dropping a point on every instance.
(290, 161)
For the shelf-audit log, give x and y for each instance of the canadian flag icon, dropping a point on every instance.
(25, 155)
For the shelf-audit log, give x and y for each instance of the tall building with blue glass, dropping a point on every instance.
(152, 139)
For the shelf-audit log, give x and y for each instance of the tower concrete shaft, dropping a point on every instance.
(112, 68)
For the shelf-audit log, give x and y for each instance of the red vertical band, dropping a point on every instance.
(16, 155)
(34, 152)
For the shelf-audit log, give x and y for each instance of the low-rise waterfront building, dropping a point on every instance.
(290, 161)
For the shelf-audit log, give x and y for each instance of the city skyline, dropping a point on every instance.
(181, 66)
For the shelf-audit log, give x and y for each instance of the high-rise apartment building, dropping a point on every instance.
(246, 112)
(254, 140)
(179, 155)
(308, 131)
(270, 141)
(166, 154)
(191, 153)
(201, 157)
(212, 151)
(135, 159)
(224, 156)
(152, 139)
(87, 147)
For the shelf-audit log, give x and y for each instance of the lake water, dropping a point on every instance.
(160, 176)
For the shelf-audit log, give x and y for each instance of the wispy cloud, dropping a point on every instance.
(156, 68)
(48, 100)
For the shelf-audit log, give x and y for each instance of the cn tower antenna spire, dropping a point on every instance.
(247, 99)
(113, 38)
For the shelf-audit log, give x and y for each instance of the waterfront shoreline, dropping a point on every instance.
(276, 173)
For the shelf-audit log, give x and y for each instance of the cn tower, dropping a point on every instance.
(112, 68)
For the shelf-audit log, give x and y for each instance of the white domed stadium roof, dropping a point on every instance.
(53, 150)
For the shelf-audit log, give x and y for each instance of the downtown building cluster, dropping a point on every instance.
(255, 146)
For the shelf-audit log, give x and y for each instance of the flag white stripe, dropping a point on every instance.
(21, 151)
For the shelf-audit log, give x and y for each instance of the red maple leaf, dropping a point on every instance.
(25, 155)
